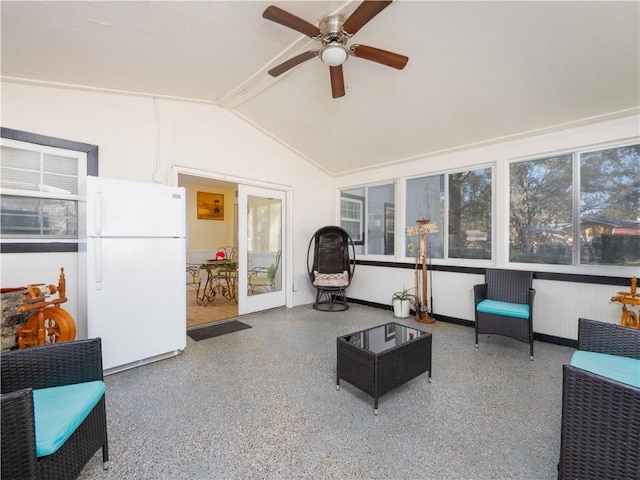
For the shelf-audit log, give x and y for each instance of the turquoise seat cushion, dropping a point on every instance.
(517, 310)
(622, 369)
(59, 411)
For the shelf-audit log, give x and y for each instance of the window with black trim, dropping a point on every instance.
(598, 190)
(39, 190)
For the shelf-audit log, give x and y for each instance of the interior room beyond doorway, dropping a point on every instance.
(212, 223)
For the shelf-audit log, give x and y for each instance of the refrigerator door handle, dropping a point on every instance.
(98, 212)
(98, 258)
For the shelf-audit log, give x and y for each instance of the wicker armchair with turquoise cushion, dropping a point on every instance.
(53, 410)
(504, 305)
(600, 435)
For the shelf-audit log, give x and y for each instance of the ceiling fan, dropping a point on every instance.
(334, 31)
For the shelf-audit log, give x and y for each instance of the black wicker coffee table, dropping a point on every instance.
(381, 358)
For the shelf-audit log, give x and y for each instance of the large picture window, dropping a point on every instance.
(610, 206)
(368, 214)
(470, 209)
(543, 197)
(425, 201)
(465, 230)
(541, 209)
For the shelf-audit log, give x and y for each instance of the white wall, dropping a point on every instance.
(558, 305)
(210, 139)
(198, 136)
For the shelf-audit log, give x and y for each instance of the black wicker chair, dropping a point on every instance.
(331, 262)
(46, 366)
(513, 287)
(600, 437)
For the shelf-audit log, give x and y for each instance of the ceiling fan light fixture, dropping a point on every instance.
(333, 54)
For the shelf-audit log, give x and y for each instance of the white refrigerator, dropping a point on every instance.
(134, 261)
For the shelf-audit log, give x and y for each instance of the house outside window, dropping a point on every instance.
(368, 214)
(352, 216)
(604, 185)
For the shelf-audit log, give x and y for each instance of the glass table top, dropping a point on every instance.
(383, 337)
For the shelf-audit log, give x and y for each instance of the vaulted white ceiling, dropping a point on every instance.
(478, 72)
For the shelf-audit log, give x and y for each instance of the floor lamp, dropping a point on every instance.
(421, 229)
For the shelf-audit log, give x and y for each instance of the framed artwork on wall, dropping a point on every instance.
(210, 206)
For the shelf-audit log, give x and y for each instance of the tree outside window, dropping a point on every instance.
(470, 214)
(468, 203)
(540, 207)
(542, 214)
(610, 206)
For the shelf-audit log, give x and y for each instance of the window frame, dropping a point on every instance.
(365, 225)
(48, 245)
(500, 191)
(444, 229)
(357, 199)
(576, 267)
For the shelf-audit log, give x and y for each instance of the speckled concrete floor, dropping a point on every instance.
(261, 403)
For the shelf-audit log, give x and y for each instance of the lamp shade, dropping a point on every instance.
(333, 54)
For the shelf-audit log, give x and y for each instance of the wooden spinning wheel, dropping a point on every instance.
(57, 326)
(48, 323)
(629, 317)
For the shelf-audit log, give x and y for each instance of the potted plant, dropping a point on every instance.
(402, 302)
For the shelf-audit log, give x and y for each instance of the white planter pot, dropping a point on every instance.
(401, 308)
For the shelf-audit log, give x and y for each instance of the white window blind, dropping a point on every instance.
(39, 191)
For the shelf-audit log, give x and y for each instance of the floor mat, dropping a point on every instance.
(216, 330)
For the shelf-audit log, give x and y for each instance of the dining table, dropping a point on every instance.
(221, 280)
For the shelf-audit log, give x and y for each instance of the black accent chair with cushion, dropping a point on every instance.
(504, 305)
(53, 410)
(600, 437)
(331, 262)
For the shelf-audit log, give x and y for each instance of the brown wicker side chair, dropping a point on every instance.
(600, 436)
(509, 296)
(331, 262)
(42, 367)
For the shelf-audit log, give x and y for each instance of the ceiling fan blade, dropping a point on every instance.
(361, 16)
(389, 59)
(337, 81)
(292, 62)
(287, 19)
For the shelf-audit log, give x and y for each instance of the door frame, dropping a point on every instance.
(268, 299)
(287, 238)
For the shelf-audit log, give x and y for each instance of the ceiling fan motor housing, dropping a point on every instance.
(334, 51)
